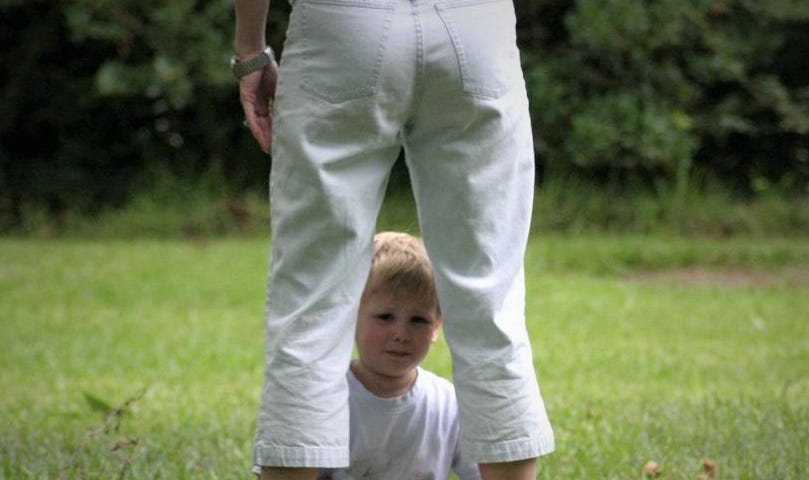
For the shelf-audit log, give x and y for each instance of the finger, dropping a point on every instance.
(261, 128)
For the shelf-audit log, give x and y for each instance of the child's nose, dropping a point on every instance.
(400, 332)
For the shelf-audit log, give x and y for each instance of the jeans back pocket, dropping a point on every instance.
(342, 46)
(483, 33)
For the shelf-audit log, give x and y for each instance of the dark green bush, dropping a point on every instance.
(672, 89)
(667, 96)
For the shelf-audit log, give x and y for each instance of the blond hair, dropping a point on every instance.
(400, 263)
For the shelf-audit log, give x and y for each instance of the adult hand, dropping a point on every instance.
(257, 93)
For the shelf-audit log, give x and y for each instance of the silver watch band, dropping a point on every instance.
(242, 68)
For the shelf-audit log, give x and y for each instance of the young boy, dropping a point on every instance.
(404, 420)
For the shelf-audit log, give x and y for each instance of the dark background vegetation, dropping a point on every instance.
(675, 101)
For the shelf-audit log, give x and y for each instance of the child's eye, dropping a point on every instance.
(421, 320)
(385, 317)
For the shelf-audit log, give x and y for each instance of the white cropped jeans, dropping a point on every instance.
(359, 80)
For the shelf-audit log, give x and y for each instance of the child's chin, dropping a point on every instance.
(400, 369)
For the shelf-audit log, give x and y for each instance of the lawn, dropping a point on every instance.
(143, 359)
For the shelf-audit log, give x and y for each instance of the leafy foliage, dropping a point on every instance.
(162, 49)
(100, 97)
(669, 86)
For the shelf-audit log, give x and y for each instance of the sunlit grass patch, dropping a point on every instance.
(634, 367)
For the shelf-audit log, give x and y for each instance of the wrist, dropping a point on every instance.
(247, 64)
(248, 51)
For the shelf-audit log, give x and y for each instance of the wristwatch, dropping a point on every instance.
(242, 68)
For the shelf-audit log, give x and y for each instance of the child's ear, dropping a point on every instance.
(437, 328)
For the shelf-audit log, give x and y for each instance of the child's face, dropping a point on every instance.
(394, 333)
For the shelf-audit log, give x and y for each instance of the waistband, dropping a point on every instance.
(388, 3)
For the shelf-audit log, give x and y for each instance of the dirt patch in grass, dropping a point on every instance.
(731, 278)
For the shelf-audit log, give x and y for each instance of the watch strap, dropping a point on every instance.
(242, 68)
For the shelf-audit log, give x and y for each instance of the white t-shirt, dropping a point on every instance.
(411, 437)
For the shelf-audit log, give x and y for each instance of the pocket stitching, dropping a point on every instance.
(469, 84)
(371, 84)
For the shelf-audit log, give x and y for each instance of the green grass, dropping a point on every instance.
(676, 368)
(169, 207)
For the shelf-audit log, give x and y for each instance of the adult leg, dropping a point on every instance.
(518, 470)
(332, 154)
(470, 153)
(284, 473)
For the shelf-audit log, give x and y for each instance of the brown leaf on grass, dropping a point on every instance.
(124, 443)
(652, 469)
(709, 470)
